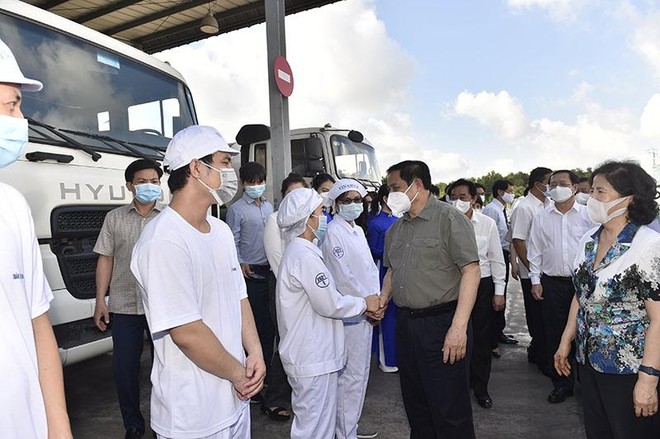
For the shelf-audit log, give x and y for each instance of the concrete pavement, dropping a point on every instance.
(519, 392)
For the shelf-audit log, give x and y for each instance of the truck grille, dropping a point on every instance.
(75, 230)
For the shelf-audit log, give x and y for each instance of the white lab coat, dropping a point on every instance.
(309, 309)
(348, 257)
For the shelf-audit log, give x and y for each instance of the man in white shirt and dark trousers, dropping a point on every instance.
(490, 295)
(521, 223)
(208, 359)
(553, 242)
(496, 210)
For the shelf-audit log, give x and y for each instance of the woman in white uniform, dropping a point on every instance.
(309, 313)
(346, 254)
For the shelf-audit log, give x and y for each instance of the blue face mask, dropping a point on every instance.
(13, 138)
(147, 193)
(323, 226)
(255, 192)
(350, 212)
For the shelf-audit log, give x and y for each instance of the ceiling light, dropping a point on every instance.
(209, 24)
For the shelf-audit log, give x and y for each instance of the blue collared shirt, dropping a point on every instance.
(247, 222)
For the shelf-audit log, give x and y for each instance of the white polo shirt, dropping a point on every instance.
(186, 275)
(24, 295)
(347, 255)
(309, 313)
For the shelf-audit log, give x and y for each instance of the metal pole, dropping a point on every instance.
(279, 105)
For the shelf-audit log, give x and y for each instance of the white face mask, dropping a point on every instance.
(582, 198)
(13, 138)
(228, 186)
(508, 197)
(399, 203)
(461, 205)
(560, 194)
(327, 203)
(597, 210)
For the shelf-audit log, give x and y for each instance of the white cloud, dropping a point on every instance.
(650, 120)
(559, 10)
(499, 111)
(351, 74)
(646, 40)
(594, 135)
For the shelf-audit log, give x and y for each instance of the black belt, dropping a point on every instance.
(559, 278)
(434, 310)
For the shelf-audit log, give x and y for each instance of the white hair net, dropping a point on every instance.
(295, 209)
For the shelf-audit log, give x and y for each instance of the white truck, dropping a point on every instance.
(338, 152)
(103, 105)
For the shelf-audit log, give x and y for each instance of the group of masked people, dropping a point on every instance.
(203, 294)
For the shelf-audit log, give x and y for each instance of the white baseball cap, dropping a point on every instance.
(11, 73)
(194, 142)
(294, 210)
(345, 185)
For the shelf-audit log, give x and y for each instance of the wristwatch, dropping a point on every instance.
(649, 370)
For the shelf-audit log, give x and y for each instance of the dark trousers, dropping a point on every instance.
(608, 407)
(436, 395)
(257, 291)
(534, 318)
(499, 320)
(278, 393)
(482, 319)
(128, 340)
(558, 293)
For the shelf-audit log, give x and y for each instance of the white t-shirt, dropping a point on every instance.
(24, 295)
(521, 222)
(186, 275)
(309, 313)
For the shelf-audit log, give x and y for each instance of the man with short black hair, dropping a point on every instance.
(246, 218)
(552, 247)
(121, 230)
(208, 360)
(521, 223)
(433, 275)
(490, 294)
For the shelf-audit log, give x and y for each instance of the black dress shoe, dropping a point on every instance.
(134, 433)
(506, 339)
(559, 395)
(485, 401)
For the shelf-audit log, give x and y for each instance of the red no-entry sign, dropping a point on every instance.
(283, 76)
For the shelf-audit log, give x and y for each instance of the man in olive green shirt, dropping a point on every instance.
(433, 275)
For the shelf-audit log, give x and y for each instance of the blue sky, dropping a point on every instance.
(468, 86)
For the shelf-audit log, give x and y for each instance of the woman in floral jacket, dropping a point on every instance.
(615, 315)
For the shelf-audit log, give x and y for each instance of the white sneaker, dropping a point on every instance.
(388, 369)
(368, 434)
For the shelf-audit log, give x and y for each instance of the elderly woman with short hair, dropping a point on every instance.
(615, 315)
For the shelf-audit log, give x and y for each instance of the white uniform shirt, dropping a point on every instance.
(309, 313)
(554, 240)
(491, 258)
(274, 242)
(495, 211)
(348, 257)
(24, 295)
(521, 223)
(186, 275)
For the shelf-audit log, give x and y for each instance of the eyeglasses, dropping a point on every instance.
(347, 201)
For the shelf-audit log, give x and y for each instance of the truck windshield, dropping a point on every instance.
(354, 160)
(90, 92)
